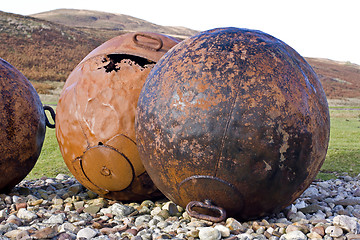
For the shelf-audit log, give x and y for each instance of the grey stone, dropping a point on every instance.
(259, 237)
(300, 204)
(245, 236)
(86, 233)
(234, 224)
(102, 237)
(312, 191)
(142, 219)
(224, 231)
(121, 210)
(78, 204)
(92, 209)
(313, 208)
(75, 188)
(171, 208)
(26, 215)
(67, 227)
(66, 236)
(45, 233)
(357, 192)
(349, 201)
(334, 231)
(147, 203)
(56, 219)
(294, 235)
(164, 214)
(62, 176)
(209, 233)
(162, 224)
(13, 233)
(349, 224)
(274, 238)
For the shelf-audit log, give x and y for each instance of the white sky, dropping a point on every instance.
(314, 28)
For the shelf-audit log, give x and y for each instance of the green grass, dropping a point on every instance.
(343, 155)
(50, 162)
(343, 107)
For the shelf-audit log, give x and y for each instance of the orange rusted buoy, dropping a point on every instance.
(96, 114)
(22, 126)
(234, 118)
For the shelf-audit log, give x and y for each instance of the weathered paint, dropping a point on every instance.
(96, 114)
(235, 116)
(22, 126)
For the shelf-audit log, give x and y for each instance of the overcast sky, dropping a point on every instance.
(314, 28)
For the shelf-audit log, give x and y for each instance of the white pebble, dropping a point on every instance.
(334, 231)
(26, 215)
(294, 235)
(86, 233)
(225, 232)
(209, 233)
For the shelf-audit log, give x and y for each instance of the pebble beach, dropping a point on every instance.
(61, 208)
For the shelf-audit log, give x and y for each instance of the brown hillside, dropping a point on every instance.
(339, 80)
(42, 50)
(97, 19)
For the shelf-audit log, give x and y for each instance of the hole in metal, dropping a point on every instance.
(114, 59)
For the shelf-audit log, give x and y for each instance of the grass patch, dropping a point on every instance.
(50, 162)
(344, 107)
(343, 155)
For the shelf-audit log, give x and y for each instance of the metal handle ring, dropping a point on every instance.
(52, 113)
(207, 206)
(147, 45)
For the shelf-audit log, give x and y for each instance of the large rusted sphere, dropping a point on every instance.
(235, 116)
(96, 115)
(22, 126)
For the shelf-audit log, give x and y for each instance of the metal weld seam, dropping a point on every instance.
(226, 128)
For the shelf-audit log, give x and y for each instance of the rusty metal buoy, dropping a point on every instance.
(234, 118)
(96, 114)
(22, 126)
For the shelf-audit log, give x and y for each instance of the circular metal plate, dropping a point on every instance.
(107, 168)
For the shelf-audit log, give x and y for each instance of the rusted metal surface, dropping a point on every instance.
(96, 113)
(22, 126)
(235, 116)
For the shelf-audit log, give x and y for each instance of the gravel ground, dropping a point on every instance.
(61, 208)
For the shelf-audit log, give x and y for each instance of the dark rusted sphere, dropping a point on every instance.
(22, 126)
(95, 116)
(235, 116)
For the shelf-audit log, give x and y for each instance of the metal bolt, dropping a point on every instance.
(105, 171)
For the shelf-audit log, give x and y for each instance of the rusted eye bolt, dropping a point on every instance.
(201, 210)
(147, 44)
